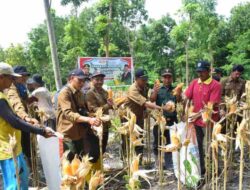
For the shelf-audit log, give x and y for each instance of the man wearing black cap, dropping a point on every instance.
(202, 91)
(44, 102)
(137, 100)
(161, 95)
(18, 97)
(234, 84)
(97, 97)
(71, 116)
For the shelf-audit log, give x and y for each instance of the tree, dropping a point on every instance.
(76, 4)
(16, 55)
(2, 54)
(153, 49)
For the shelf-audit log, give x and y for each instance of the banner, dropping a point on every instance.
(118, 70)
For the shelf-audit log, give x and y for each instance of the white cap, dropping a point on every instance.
(6, 69)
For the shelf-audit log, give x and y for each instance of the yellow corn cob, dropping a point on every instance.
(178, 89)
(75, 165)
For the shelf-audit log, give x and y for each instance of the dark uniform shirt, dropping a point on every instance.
(232, 87)
(69, 102)
(163, 96)
(135, 101)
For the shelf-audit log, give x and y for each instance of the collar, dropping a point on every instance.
(96, 90)
(72, 88)
(208, 81)
(167, 87)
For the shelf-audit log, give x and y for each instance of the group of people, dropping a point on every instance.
(74, 111)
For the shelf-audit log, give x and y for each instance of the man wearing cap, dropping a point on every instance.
(97, 97)
(44, 102)
(217, 74)
(126, 75)
(234, 84)
(201, 91)
(161, 95)
(137, 100)
(12, 125)
(18, 98)
(71, 116)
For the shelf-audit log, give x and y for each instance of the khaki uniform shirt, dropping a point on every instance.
(69, 100)
(135, 101)
(231, 87)
(18, 105)
(96, 99)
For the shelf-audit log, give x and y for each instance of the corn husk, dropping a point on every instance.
(178, 89)
(96, 180)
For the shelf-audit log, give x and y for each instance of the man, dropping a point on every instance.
(86, 68)
(88, 75)
(18, 98)
(30, 85)
(44, 102)
(126, 75)
(234, 84)
(137, 100)
(98, 97)
(71, 117)
(201, 91)
(217, 74)
(161, 95)
(11, 124)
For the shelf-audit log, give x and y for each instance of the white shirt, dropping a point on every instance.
(44, 101)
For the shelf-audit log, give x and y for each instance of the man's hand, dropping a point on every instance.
(110, 102)
(31, 121)
(48, 132)
(156, 88)
(95, 121)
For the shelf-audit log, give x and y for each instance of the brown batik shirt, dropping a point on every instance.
(95, 99)
(69, 100)
(232, 87)
(135, 101)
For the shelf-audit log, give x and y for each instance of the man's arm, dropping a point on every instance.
(65, 103)
(17, 105)
(7, 114)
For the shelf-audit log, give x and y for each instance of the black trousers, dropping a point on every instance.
(89, 145)
(25, 141)
(168, 155)
(200, 138)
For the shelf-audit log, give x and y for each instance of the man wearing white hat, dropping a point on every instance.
(12, 125)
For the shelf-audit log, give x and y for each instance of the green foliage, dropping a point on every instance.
(191, 181)
(122, 27)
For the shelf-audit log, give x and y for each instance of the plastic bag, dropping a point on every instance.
(49, 152)
(190, 162)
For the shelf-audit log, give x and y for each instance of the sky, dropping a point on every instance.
(18, 17)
